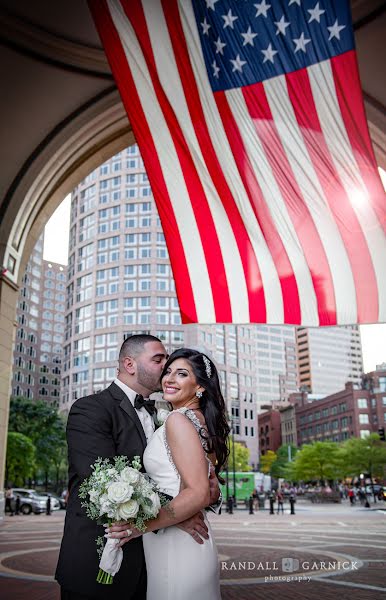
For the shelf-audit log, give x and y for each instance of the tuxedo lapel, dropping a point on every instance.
(128, 408)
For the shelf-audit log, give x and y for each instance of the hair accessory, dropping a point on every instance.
(208, 367)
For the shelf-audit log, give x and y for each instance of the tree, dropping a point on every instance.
(279, 468)
(317, 461)
(44, 426)
(20, 459)
(367, 455)
(267, 460)
(241, 454)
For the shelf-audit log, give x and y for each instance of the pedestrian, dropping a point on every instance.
(48, 505)
(250, 502)
(255, 497)
(17, 505)
(292, 500)
(280, 501)
(351, 496)
(272, 498)
(9, 501)
(230, 505)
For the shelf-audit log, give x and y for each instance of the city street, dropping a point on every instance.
(324, 551)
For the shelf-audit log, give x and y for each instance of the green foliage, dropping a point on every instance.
(20, 460)
(280, 468)
(367, 455)
(319, 461)
(45, 427)
(241, 456)
(267, 460)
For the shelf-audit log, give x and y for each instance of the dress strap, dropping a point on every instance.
(189, 414)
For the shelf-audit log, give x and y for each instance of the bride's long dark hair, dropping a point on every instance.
(211, 403)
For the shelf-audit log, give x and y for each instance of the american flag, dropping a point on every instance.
(250, 121)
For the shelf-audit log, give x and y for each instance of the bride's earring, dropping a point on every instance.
(199, 394)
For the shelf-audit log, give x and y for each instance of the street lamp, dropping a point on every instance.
(234, 462)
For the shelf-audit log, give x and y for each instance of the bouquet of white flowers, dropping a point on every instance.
(116, 492)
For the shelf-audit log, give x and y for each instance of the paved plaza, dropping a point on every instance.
(324, 551)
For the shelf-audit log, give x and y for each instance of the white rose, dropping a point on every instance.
(154, 507)
(162, 413)
(119, 491)
(128, 510)
(130, 475)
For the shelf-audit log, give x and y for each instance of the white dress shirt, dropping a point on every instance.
(146, 420)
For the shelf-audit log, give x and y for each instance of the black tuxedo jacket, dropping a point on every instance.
(106, 425)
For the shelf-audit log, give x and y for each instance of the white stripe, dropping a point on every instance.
(171, 84)
(276, 206)
(172, 172)
(338, 143)
(270, 279)
(314, 198)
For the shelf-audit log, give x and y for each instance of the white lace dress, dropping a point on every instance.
(178, 568)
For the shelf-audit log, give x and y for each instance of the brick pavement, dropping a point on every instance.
(336, 533)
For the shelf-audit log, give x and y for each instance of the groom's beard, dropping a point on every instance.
(150, 381)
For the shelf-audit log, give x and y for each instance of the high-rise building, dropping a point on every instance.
(329, 357)
(40, 333)
(277, 373)
(120, 282)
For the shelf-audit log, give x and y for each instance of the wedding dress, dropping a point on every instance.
(178, 568)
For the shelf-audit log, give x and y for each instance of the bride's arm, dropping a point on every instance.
(192, 465)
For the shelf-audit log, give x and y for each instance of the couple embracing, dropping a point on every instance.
(176, 559)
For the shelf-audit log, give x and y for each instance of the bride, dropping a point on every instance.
(178, 459)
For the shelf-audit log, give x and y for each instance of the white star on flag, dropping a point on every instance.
(269, 53)
(248, 37)
(294, 2)
(205, 27)
(281, 25)
(219, 46)
(229, 18)
(262, 8)
(335, 30)
(238, 64)
(211, 3)
(216, 69)
(301, 43)
(315, 13)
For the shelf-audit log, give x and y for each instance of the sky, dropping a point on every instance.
(56, 250)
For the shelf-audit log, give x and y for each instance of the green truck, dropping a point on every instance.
(245, 484)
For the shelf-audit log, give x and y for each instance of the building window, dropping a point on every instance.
(362, 402)
(364, 419)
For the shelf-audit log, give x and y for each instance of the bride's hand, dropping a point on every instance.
(125, 532)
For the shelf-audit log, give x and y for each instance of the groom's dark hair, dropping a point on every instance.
(134, 345)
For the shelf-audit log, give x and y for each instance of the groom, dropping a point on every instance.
(108, 424)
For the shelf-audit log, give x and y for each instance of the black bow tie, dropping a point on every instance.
(149, 405)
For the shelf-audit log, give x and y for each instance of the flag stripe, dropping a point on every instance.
(263, 216)
(203, 216)
(250, 269)
(317, 119)
(271, 283)
(298, 233)
(321, 240)
(361, 181)
(347, 85)
(117, 60)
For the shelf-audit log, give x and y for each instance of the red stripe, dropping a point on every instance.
(275, 245)
(300, 93)
(298, 211)
(251, 269)
(122, 74)
(206, 227)
(347, 85)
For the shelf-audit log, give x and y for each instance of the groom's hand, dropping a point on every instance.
(214, 489)
(196, 527)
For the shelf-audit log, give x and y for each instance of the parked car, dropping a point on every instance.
(33, 501)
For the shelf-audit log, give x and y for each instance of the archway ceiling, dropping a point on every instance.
(52, 66)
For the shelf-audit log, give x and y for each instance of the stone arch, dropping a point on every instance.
(78, 146)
